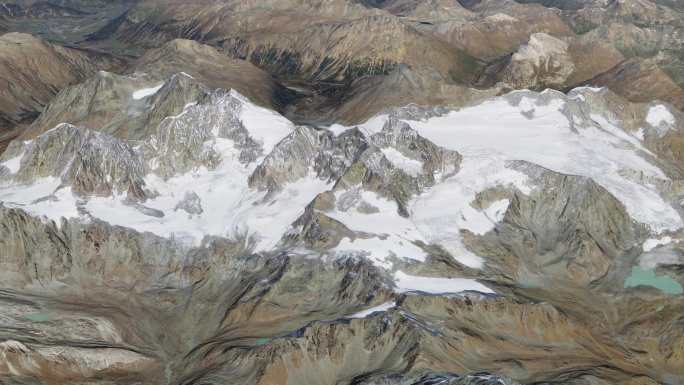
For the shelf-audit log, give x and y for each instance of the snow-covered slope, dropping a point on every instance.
(555, 131)
(388, 190)
(523, 227)
(545, 129)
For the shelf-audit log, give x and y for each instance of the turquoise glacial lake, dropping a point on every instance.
(648, 277)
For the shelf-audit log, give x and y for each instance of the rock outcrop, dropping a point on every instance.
(544, 62)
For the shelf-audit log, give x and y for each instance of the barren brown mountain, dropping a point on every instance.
(32, 71)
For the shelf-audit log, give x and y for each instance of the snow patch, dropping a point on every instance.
(496, 211)
(337, 129)
(379, 250)
(652, 243)
(13, 164)
(373, 125)
(587, 88)
(380, 308)
(42, 198)
(265, 126)
(405, 282)
(655, 255)
(391, 234)
(145, 92)
(410, 166)
(501, 17)
(640, 134)
(659, 115)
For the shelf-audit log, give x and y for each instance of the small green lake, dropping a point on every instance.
(38, 317)
(663, 283)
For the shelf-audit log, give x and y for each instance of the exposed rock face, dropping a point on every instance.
(38, 10)
(302, 149)
(319, 40)
(124, 106)
(191, 204)
(179, 144)
(405, 339)
(543, 62)
(600, 36)
(569, 229)
(90, 162)
(67, 362)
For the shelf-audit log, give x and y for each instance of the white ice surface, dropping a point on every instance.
(497, 129)
(405, 282)
(41, 198)
(487, 135)
(654, 255)
(373, 125)
(337, 129)
(526, 105)
(265, 126)
(13, 164)
(380, 308)
(230, 207)
(441, 212)
(391, 234)
(640, 134)
(496, 210)
(658, 115)
(652, 243)
(145, 92)
(588, 88)
(619, 133)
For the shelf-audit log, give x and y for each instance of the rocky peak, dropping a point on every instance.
(91, 163)
(543, 62)
(180, 142)
(126, 106)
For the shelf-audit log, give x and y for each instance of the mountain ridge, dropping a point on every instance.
(314, 192)
(322, 193)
